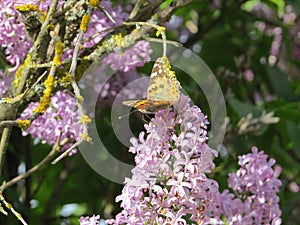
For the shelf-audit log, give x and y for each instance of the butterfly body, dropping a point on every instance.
(163, 89)
(147, 106)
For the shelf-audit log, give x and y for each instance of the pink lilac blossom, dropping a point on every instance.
(13, 37)
(289, 16)
(276, 44)
(255, 187)
(93, 220)
(293, 23)
(169, 184)
(278, 48)
(248, 74)
(61, 118)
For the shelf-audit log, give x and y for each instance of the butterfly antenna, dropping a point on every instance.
(121, 117)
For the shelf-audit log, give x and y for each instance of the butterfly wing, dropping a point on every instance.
(163, 85)
(147, 106)
(163, 89)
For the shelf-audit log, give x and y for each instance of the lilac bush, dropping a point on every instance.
(169, 184)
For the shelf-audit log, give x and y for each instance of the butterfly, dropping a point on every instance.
(163, 89)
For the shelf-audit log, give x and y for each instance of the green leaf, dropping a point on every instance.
(280, 83)
(165, 4)
(294, 133)
(243, 108)
(277, 5)
(285, 110)
(248, 5)
(284, 159)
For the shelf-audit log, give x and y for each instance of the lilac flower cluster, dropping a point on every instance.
(13, 37)
(255, 187)
(278, 50)
(61, 118)
(169, 183)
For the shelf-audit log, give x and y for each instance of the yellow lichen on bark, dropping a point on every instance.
(94, 3)
(58, 53)
(45, 100)
(23, 124)
(84, 22)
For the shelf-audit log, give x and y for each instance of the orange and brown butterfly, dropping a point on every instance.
(163, 89)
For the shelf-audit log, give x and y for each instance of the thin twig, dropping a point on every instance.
(43, 172)
(107, 14)
(23, 95)
(13, 181)
(102, 32)
(75, 87)
(65, 8)
(65, 153)
(9, 206)
(3, 145)
(31, 171)
(72, 72)
(175, 43)
(2, 210)
(160, 30)
(8, 123)
(42, 65)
